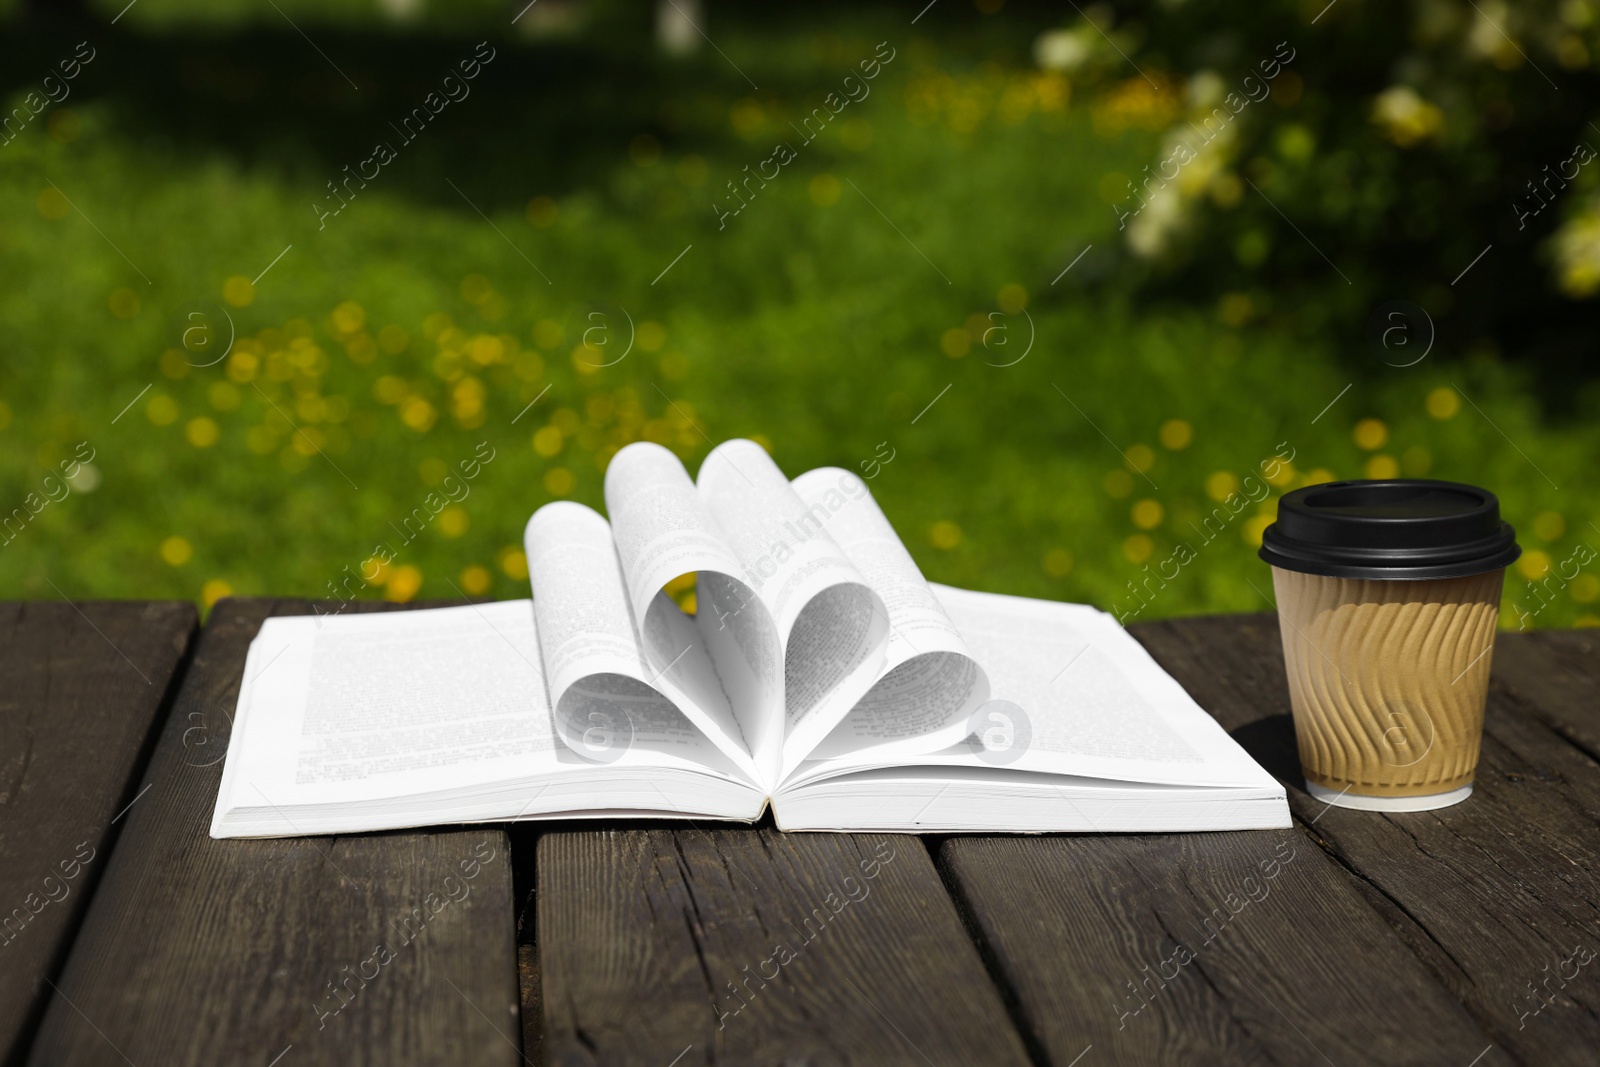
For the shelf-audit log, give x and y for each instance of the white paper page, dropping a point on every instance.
(931, 684)
(1097, 703)
(833, 627)
(357, 707)
(589, 643)
(662, 528)
(725, 659)
(1084, 698)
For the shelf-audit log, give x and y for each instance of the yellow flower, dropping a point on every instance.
(1012, 298)
(955, 342)
(1176, 434)
(1253, 528)
(403, 584)
(1142, 457)
(202, 432)
(162, 410)
(417, 413)
(1138, 548)
(650, 336)
(547, 441)
(1221, 484)
(214, 590)
(374, 570)
(1382, 467)
(390, 388)
(242, 366)
(1370, 434)
(453, 521)
(1548, 525)
(176, 551)
(1443, 402)
(238, 291)
(1586, 588)
(435, 324)
(1147, 514)
(944, 534)
(514, 562)
(307, 441)
(1533, 565)
(475, 580)
(348, 317)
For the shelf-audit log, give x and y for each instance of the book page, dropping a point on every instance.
(601, 684)
(356, 707)
(832, 625)
(724, 659)
(1072, 693)
(931, 682)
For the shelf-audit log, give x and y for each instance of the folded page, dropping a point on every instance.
(931, 683)
(663, 530)
(832, 625)
(605, 695)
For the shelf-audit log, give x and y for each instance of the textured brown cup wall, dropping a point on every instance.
(1388, 678)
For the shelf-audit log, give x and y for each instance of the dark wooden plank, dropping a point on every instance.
(1555, 675)
(372, 949)
(528, 977)
(751, 946)
(1236, 948)
(1499, 896)
(81, 689)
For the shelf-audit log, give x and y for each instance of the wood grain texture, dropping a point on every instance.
(1238, 948)
(751, 946)
(82, 686)
(1554, 675)
(375, 949)
(1499, 895)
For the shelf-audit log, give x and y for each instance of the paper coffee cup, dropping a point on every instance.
(1388, 597)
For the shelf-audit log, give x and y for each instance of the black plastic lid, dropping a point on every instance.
(1402, 528)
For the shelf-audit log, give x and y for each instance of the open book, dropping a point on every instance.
(819, 673)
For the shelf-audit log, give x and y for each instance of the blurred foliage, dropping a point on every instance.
(936, 292)
(1397, 145)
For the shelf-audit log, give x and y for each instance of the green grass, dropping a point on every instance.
(819, 321)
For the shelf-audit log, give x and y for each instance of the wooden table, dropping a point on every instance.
(1462, 937)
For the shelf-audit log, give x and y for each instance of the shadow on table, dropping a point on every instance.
(1271, 743)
